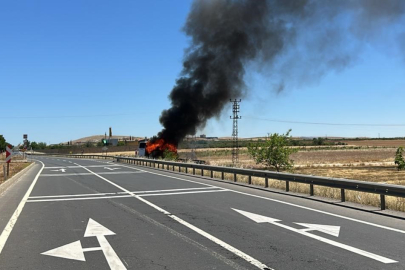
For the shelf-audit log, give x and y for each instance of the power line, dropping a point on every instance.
(325, 124)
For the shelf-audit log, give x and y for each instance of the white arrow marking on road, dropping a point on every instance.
(75, 251)
(72, 251)
(262, 219)
(111, 169)
(328, 229)
(96, 229)
(60, 170)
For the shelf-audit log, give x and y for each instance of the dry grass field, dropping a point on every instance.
(14, 169)
(378, 143)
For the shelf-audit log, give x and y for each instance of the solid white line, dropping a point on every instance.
(112, 193)
(230, 248)
(81, 174)
(118, 196)
(90, 166)
(178, 193)
(80, 199)
(286, 203)
(10, 225)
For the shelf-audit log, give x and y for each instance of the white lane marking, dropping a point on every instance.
(120, 196)
(262, 219)
(92, 249)
(111, 169)
(81, 174)
(287, 203)
(181, 193)
(223, 244)
(169, 176)
(230, 248)
(111, 193)
(81, 199)
(90, 166)
(10, 225)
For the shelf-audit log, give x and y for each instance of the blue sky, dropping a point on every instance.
(113, 64)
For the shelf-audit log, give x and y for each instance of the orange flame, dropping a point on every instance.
(160, 144)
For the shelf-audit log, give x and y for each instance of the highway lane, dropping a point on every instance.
(152, 219)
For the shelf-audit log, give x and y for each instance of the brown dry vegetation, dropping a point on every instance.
(14, 169)
(381, 143)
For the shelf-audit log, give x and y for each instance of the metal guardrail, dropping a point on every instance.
(343, 184)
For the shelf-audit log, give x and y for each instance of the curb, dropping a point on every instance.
(9, 182)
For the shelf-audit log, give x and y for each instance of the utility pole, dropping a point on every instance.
(235, 117)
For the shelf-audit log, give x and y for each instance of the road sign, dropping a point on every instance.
(9, 154)
(328, 229)
(105, 148)
(25, 136)
(75, 251)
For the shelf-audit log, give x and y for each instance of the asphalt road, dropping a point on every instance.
(95, 214)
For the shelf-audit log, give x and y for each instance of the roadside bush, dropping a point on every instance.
(399, 159)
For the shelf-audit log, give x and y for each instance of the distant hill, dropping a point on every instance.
(97, 138)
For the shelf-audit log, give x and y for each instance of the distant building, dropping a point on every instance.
(203, 136)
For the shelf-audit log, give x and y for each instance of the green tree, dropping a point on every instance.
(274, 151)
(34, 145)
(399, 159)
(41, 145)
(2, 143)
(121, 143)
(169, 155)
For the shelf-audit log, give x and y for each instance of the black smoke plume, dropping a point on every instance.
(291, 42)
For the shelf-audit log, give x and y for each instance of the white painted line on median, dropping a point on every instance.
(116, 193)
(178, 193)
(90, 166)
(286, 203)
(223, 244)
(81, 174)
(10, 225)
(120, 196)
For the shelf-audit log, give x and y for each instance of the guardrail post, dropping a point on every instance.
(167, 167)
(212, 174)
(287, 186)
(342, 195)
(173, 167)
(234, 177)
(193, 171)
(311, 190)
(202, 172)
(179, 168)
(186, 170)
(250, 180)
(266, 182)
(382, 198)
(222, 175)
